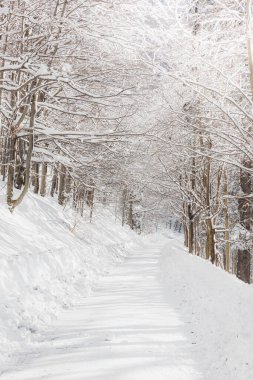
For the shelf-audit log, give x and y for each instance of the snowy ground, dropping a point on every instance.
(125, 330)
(160, 314)
(49, 258)
(217, 311)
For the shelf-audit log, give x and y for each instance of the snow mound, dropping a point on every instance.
(217, 312)
(50, 258)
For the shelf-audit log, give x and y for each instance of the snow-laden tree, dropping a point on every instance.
(145, 105)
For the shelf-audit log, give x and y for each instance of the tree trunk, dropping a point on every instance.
(130, 215)
(4, 158)
(243, 265)
(210, 242)
(61, 196)
(90, 199)
(36, 168)
(245, 212)
(186, 237)
(191, 237)
(19, 167)
(16, 202)
(226, 217)
(43, 182)
(68, 183)
(190, 230)
(54, 181)
(11, 161)
(124, 201)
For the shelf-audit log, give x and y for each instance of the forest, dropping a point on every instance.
(146, 105)
(126, 189)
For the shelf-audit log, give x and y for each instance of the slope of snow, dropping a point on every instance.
(159, 314)
(49, 258)
(124, 331)
(217, 311)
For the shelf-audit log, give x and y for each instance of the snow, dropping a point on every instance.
(127, 307)
(123, 331)
(217, 311)
(4, 11)
(49, 259)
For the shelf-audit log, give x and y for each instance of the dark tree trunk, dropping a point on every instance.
(43, 184)
(210, 243)
(61, 196)
(190, 230)
(36, 179)
(20, 167)
(54, 182)
(90, 199)
(11, 170)
(243, 265)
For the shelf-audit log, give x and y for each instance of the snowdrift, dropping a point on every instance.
(216, 309)
(49, 258)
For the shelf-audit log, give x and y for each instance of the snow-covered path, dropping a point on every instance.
(125, 331)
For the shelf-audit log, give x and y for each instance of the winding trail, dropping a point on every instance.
(125, 330)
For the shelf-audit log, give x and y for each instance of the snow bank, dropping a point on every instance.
(49, 258)
(217, 309)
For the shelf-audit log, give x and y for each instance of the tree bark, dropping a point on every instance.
(36, 177)
(226, 217)
(11, 161)
(14, 203)
(210, 243)
(61, 196)
(54, 181)
(90, 193)
(245, 212)
(130, 215)
(43, 182)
